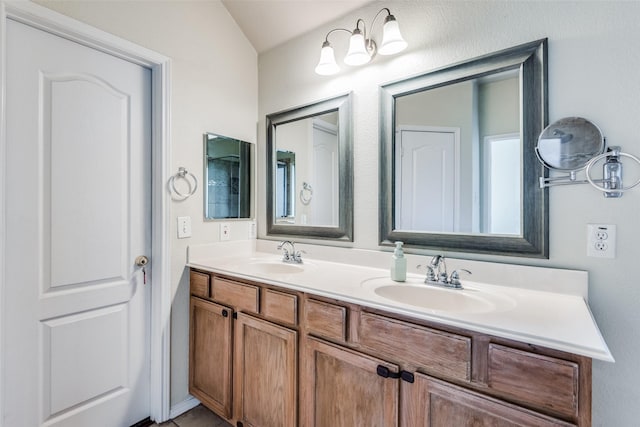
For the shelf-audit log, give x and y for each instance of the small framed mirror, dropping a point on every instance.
(227, 174)
(309, 171)
(458, 169)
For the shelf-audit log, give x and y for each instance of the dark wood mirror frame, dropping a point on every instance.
(531, 61)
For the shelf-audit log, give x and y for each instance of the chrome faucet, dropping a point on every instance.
(437, 274)
(439, 265)
(290, 255)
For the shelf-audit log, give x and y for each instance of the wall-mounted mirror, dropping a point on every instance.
(227, 175)
(458, 169)
(310, 176)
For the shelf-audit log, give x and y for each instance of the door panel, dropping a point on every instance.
(78, 372)
(426, 167)
(78, 213)
(83, 100)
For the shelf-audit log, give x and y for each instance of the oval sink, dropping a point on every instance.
(272, 267)
(468, 300)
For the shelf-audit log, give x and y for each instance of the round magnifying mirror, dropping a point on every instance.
(569, 144)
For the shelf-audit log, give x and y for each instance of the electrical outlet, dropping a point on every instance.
(184, 227)
(252, 230)
(225, 231)
(601, 240)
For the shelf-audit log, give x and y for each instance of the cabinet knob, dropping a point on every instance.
(225, 313)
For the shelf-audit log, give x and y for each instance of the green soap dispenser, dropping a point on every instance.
(399, 264)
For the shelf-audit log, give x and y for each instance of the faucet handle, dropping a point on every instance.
(297, 256)
(431, 274)
(455, 277)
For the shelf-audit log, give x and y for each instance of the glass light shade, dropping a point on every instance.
(327, 64)
(392, 41)
(357, 54)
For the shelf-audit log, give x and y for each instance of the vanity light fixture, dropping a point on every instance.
(362, 48)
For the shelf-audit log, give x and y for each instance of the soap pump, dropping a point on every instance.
(399, 264)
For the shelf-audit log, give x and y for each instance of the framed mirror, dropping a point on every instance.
(458, 169)
(310, 171)
(227, 177)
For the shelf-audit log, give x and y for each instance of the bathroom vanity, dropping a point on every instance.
(269, 349)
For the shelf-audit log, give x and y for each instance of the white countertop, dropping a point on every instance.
(555, 320)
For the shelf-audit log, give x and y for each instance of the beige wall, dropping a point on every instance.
(214, 88)
(594, 60)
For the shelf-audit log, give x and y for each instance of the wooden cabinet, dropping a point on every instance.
(438, 352)
(305, 360)
(242, 366)
(210, 355)
(433, 403)
(265, 373)
(342, 388)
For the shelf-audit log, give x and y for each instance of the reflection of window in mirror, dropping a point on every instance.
(227, 177)
(285, 185)
(441, 177)
(501, 194)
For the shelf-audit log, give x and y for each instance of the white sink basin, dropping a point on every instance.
(272, 267)
(416, 293)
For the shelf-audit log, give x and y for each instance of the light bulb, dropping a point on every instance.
(357, 54)
(327, 64)
(392, 41)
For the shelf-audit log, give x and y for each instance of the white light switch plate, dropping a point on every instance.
(601, 240)
(184, 227)
(225, 231)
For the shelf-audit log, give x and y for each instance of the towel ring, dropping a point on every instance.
(306, 193)
(612, 187)
(188, 177)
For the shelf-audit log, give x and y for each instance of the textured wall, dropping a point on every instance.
(594, 58)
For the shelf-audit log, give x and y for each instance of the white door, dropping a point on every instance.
(77, 214)
(324, 200)
(426, 180)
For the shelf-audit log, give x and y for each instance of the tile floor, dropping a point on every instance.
(196, 417)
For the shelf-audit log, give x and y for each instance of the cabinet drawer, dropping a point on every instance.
(326, 320)
(280, 306)
(435, 351)
(240, 296)
(199, 284)
(544, 381)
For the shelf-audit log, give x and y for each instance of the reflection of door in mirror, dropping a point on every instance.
(311, 144)
(285, 186)
(461, 172)
(227, 176)
(427, 176)
(324, 170)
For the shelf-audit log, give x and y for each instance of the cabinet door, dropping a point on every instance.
(210, 355)
(342, 388)
(434, 403)
(265, 376)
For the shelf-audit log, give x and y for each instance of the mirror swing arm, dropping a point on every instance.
(530, 61)
(572, 144)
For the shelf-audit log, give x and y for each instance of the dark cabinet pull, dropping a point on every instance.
(407, 376)
(384, 372)
(225, 313)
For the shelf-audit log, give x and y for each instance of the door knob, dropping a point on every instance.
(142, 260)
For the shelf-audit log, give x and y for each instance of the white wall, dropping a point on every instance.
(214, 88)
(594, 58)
